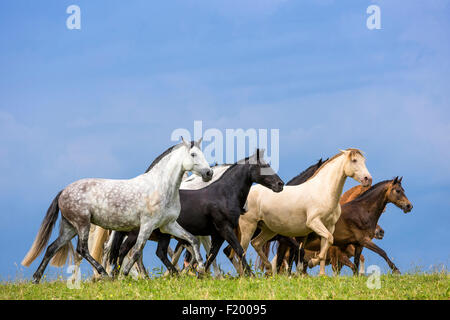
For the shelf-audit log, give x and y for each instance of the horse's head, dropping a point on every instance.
(262, 173)
(396, 195)
(195, 161)
(355, 167)
(379, 233)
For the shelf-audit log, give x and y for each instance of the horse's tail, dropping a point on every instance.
(100, 237)
(44, 233)
(60, 257)
(117, 240)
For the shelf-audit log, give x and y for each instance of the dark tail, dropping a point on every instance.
(115, 246)
(44, 232)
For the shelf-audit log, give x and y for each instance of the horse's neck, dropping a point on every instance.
(331, 179)
(196, 182)
(168, 172)
(237, 183)
(375, 202)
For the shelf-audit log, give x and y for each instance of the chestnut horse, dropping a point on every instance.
(359, 219)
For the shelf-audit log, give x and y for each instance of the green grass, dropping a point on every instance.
(409, 286)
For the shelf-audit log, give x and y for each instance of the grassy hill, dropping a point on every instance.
(408, 286)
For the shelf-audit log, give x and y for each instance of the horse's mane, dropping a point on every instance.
(165, 153)
(227, 171)
(352, 153)
(368, 192)
(304, 171)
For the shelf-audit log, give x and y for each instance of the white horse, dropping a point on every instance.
(149, 201)
(312, 206)
(100, 239)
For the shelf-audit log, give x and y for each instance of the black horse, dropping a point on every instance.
(214, 210)
(291, 242)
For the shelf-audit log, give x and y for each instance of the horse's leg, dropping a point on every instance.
(145, 232)
(372, 246)
(67, 232)
(216, 242)
(161, 252)
(141, 267)
(281, 255)
(301, 254)
(124, 249)
(258, 242)
(206, 242)
(189, 260)
(229, 235)
(83, 248)
(325, 242)
(358, 250)
(344, 260)
(77, 259)
(334, 258)
(247, 230)
(176, 255)
(176, 230)
(274, 264)
(106, 251)
(362, 266)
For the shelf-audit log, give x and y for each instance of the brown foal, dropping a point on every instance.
(358, 221)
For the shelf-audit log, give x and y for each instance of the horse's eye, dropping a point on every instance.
(354, 160)
(398, 191)
(193, 155)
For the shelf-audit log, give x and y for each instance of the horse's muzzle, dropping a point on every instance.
(366, 181)
(278, 187)
(207, 175)
(407, 208)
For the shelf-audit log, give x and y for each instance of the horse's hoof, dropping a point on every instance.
(35, 281)
(311, 264)
(201, 268)
(396, 271)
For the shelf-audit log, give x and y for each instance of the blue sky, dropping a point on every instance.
(102, 101)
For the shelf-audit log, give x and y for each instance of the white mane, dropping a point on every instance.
(194, 182)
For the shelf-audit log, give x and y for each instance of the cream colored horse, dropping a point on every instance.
(299, 210)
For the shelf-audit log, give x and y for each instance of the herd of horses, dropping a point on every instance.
(306, 221)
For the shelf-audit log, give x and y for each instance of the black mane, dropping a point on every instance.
(303, 176)
(366, 193)
(165, 153)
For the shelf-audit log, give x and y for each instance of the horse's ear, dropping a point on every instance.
(400, 180)
(395, 180)
(199, 141)
(187, 144)
(260, 153)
